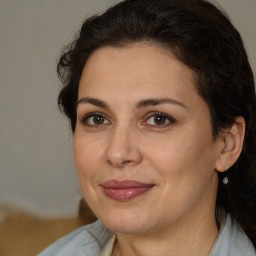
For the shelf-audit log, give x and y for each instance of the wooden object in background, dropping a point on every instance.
(24, 235)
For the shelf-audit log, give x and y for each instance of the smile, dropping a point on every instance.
(125, 190)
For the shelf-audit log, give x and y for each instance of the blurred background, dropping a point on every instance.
(39, 191)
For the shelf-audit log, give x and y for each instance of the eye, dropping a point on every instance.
(160, 119)
(94, 120)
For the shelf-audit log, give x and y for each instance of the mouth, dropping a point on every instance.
(125, 190)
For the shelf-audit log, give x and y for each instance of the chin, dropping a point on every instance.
(126, 221)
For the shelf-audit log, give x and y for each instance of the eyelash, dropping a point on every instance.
(95, 114)
(168, 118)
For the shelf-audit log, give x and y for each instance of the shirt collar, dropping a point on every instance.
(109, 247)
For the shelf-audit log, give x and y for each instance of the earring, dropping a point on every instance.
(225, 179)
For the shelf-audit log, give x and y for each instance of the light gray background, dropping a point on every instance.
(37, 173)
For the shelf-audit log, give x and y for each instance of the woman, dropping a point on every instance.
(162, 104)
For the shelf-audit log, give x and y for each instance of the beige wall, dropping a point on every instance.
(37, 173)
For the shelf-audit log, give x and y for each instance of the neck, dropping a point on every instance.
(194, 235)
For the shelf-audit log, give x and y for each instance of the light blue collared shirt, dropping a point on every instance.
(91, 239)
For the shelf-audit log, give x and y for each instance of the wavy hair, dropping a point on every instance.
(203, 38)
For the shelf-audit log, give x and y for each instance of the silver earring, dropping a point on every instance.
(225, 179)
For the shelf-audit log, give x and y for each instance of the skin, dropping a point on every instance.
(177, 155)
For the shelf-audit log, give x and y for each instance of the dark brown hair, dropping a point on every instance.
(203, 38)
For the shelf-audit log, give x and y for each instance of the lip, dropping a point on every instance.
(125, 190)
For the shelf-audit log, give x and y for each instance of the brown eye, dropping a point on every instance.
(160, 120)
(95, 120)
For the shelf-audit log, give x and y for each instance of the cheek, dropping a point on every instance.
(186, 171)
(86, 155)
(183, 158)
(87, 162)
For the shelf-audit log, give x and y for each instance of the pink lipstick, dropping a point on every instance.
(125, 190)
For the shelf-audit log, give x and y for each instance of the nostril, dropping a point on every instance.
(122, 151)
(119, 163)
(126, 162)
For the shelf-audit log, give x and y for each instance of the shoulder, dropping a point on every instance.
(87, 241)
(233, 241)
(240, 244)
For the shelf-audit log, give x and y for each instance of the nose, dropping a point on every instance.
(123, 148)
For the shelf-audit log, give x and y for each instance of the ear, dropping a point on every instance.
(232, 144)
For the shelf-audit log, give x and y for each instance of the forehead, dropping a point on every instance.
(135, 69)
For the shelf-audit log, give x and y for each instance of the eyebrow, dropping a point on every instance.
(158, 101)
(93, 101)
(141, 104)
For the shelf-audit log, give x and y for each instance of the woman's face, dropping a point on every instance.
(143, 144)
